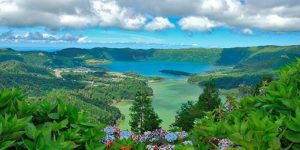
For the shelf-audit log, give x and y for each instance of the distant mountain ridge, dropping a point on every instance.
(251, 57)
(267, 57)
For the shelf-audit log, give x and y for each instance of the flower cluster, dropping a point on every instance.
(125, 135)
(182, 135)
(156, 136)
(171, 137)
(161, 147)
(156, 140)
(110, 137)
(225, 144)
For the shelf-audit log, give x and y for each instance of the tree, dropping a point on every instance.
(208, 101)
(143, 117)
(259, 90)
(183, 117)
(244, 90)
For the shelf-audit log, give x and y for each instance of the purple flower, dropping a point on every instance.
(182, 135)
(225, 144)
(167, 147)
(107, 138)
(109, 130)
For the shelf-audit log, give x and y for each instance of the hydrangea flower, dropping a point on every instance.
(167, 147)
(108, 138)
(225, 144)
(152, 147)
(162, 147)
(155, 136)
(124, 135)
(144, 139)
(182, 135)
(171, 137)
(136, 138)
(109, 130)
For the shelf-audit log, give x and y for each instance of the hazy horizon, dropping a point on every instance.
(52, 49)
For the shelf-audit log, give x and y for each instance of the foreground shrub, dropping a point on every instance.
(268, 121)
(49, 125)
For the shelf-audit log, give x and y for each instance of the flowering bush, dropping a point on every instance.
(171, 137)
(151, 140)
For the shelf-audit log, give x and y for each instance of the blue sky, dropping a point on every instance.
(114, 23)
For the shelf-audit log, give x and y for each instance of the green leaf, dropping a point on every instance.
(54, 115)
(64, 123)
(31, 131)
(292, 136)
(6, 145)
(275, 144)
(29, 145)
(290, 124)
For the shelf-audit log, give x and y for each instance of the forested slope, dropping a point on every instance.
(267, 57)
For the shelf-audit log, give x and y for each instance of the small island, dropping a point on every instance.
(176, 72)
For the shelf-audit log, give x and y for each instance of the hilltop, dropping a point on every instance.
(267, 57)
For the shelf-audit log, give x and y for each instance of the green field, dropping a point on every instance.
(168, 97)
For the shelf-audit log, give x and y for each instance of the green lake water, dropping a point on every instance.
(168, 96)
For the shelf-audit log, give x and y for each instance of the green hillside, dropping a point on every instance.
(91, 91)
(261, 57)
(191, 55)
(18, 67)
(266, 57)
(249, 64)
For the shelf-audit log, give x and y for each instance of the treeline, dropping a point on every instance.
(35, 85)
(231, 80)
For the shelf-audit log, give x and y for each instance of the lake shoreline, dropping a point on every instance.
(168, 95)
(169, 92)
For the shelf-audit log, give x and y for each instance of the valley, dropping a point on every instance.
(103, 81)
(149, 75)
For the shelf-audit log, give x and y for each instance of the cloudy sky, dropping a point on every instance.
(149, 23)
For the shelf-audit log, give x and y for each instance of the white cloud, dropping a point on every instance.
(201, 24)
(10, 36)
(76, 21)
(110, 13)
(158, 24)
(269, 15)
(247, 31)
(133, 23)
(83, 39)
